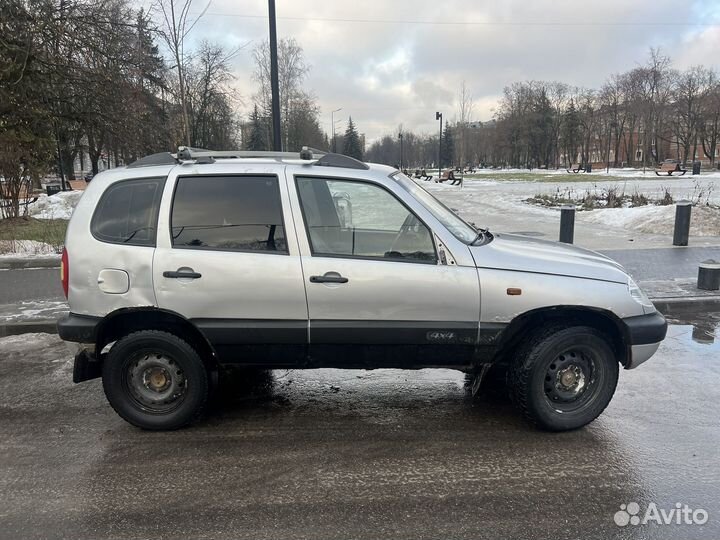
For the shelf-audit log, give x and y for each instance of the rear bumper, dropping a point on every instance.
(645, 334)
(78, 328)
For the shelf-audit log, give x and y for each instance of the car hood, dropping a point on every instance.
(525, 254)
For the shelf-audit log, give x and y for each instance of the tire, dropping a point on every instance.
(564, 377)
(156, 381)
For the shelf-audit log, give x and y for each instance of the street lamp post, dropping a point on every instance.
(438, 116)
(332, 121)
(400, 136)
(274, 84)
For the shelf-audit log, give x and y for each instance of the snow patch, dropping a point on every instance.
(26, 249)
(705, 221)
(58, 206)
(21, 341)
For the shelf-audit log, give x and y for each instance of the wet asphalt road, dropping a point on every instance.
(30, 284)
(356, 454)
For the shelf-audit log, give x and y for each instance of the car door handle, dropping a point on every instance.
(182, 274)
(329, 277)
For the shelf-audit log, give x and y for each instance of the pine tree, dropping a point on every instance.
(256, 141)
(448, 147)
(351, 142)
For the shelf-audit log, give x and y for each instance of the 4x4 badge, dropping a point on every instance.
(445, 337)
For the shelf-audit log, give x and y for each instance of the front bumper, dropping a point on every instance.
(645, 332)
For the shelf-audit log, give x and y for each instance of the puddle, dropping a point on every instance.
(705, 327)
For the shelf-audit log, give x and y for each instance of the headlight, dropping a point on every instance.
(640, 297)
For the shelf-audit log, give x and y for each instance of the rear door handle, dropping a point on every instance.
(329, 277)
(185, 274)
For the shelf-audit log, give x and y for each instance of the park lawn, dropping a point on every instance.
(542, 176)
(49, 231)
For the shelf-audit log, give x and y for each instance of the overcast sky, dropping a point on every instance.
(387, 62)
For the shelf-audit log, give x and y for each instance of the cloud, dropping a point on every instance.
(383, 65)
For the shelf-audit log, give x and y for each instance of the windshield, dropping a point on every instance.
(452, 222)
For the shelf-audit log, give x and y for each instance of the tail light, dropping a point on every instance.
(65, 271)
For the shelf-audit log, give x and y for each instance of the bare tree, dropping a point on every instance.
(298, 108)
(177, 24)
(709, 121)
(687, 93)
(465, 111)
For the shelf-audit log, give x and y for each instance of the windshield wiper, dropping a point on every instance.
(132, 235)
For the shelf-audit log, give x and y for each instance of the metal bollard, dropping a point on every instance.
(709, 275)
(682, 223)
(567, 223)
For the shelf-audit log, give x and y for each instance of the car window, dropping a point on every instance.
(360, 219)
(234, 213)
(454, 223)
(128, 211)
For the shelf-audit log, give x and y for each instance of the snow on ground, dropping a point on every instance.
(652, 219)
(33, 310)
(58, 206)
(26, 248)
(19, 343)
(638, 173)
(497, 200)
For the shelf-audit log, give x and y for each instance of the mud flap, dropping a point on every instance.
(86, 367)
(477, 381)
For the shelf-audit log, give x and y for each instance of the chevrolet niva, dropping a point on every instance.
(179, 264)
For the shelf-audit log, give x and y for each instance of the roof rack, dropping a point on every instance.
(201, 156)
(186, 154)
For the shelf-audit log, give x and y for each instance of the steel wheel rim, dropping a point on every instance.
(155, 382)
(571, 380)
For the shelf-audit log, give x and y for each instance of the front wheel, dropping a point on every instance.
(155, 380)
(564, 377)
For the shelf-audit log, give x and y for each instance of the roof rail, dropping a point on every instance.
(201, 156)
(186, 154)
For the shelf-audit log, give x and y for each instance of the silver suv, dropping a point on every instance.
(182, 263)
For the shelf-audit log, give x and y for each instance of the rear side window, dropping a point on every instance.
(128, 212)
(232, 213)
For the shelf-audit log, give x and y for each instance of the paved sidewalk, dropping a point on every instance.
(669, 274)
(663, 263)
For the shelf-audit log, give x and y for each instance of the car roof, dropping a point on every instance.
(243, 165)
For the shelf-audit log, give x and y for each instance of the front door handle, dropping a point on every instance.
(329, 277)
(182, 274)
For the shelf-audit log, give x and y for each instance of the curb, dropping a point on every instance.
(20, 263)
(44, 326)
(669, 305)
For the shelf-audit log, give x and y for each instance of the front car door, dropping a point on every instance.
(227, 259)
(378, 292)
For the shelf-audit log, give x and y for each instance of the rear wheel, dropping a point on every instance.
(155, 380)
(564, 377)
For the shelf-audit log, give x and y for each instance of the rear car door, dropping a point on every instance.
(227, 260)
(378, 294)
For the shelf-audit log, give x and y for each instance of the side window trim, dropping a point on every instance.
(161, 181)
(296, 177)
(227, 250)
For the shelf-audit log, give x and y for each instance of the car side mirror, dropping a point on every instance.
(343, 206)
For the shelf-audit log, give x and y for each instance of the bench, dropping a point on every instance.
(450, 175)
(669, 168)
(576, 168)
(421, 174)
